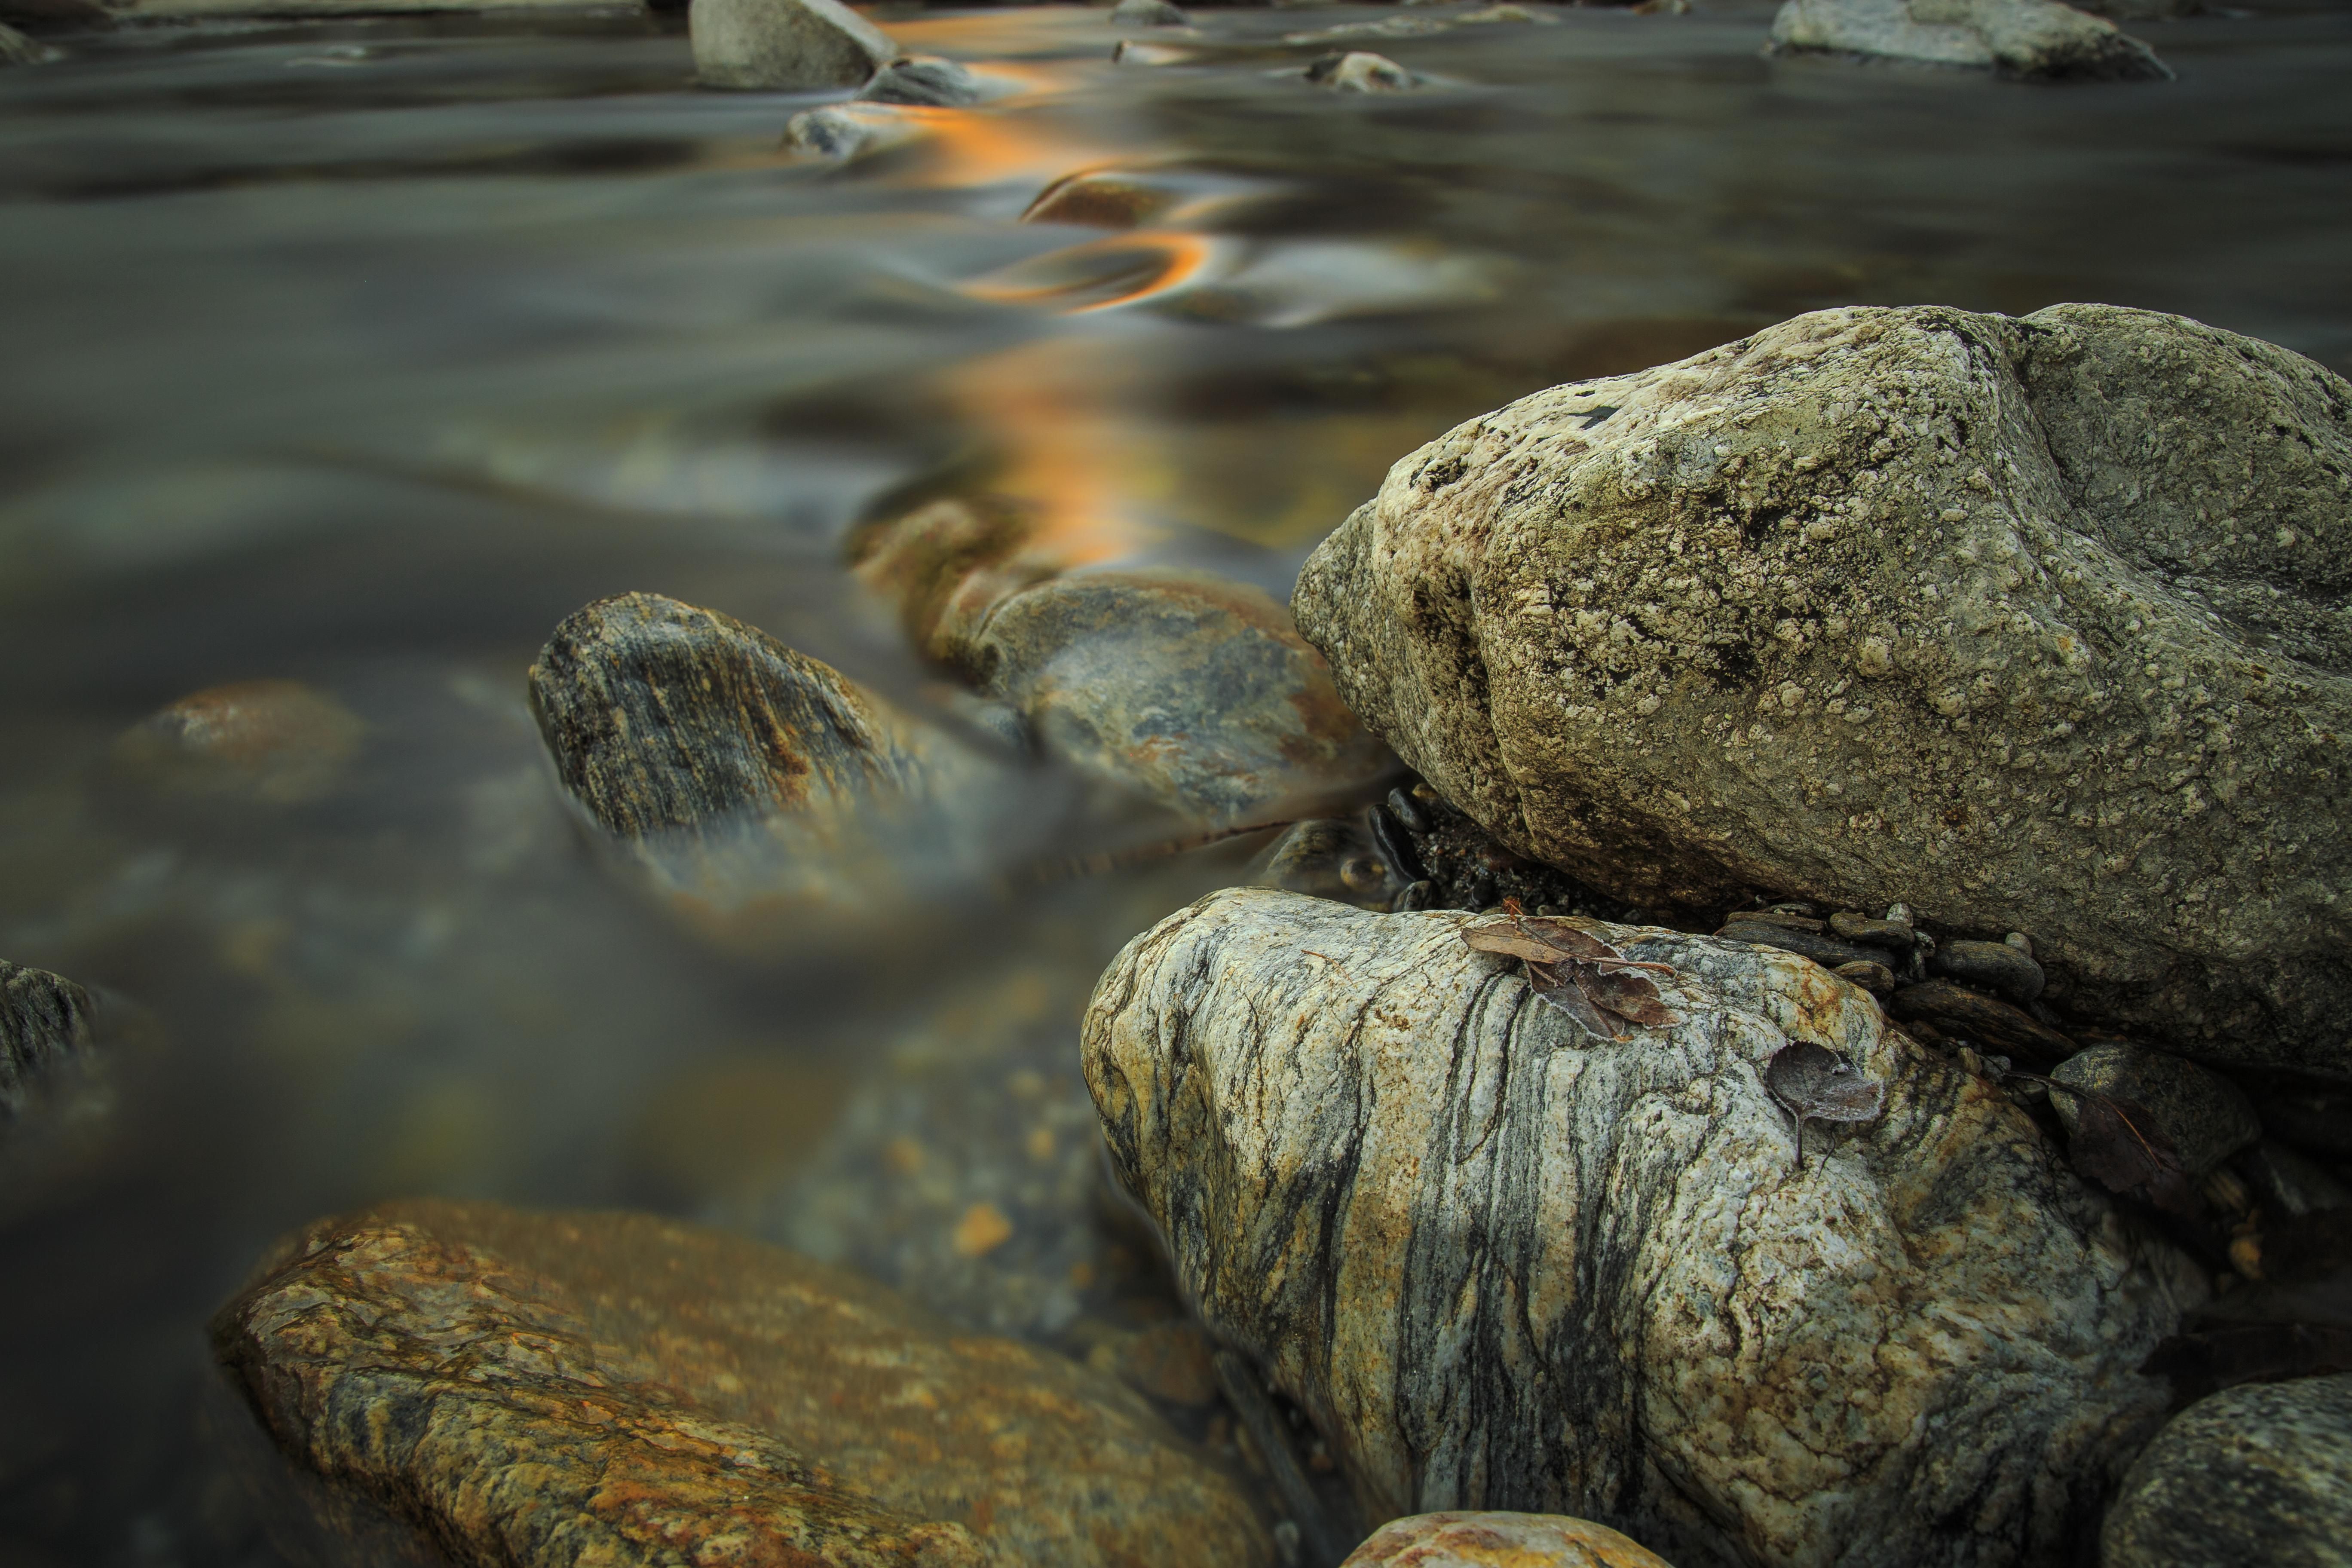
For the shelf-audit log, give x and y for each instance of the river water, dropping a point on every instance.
(361, 353)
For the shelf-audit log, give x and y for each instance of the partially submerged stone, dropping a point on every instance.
(2033, 38)
(742, 777)
(45, 1028)
(2035, 622)
(1148, 14)
(1357, 70)
(2257, 1474)
(1506, 1264)
(1498, 1541)
(792, 44)
(925, 80)
(276, 742)
(541, 1390)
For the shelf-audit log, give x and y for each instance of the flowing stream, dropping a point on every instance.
(361, 353)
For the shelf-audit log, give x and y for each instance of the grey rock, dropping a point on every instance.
(2284, 1180)
(45, 1027)
(1357, 70)
(923, 80)
(1968, 1015)
(747, 782)
(1192, 691)
(1875, 978)
(1994, 966)
(1896, 936)
(1148, 14)
(2032, 38)
(2056, 603)
(832, 134)
(2260, 1474)
(792, 44)
(1505, 1264)
(1827, 951)
(2205, 1115)
(1463, 1540)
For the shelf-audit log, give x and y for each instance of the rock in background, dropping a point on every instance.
(2038, 40)
(785, 45)
(2036, 623)
(2261, 1474)
(45, 1028)
(1506, 1264)
(1498, 1541)
(550, 1389)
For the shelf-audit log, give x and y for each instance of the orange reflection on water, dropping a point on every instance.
(1122, 269)
(984, 146)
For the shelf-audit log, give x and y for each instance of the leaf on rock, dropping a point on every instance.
(2115, 1145)
(1816, 1084)
(1577, 972)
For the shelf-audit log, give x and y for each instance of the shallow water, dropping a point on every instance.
(362, 352)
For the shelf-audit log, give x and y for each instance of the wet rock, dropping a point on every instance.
(1985, 1021)
(1190, 691)
(923, 80)
(276, 742)
(2284, 1180)
(1895, 936)
(1505, 1264)
(744, 779)
(1106, 198)
(2039, 39)
(1875, 978)
(1148, 14)
(2204, 1114)
(837, 134)
(45, 1027)
(2259, 1474)
(1827, 951)
(1794, 613)
(1356, 70)
(1334, 857)
(1498, 1541)
(1995, 966)
(16, 49)
(791, 45)
(545, 1389)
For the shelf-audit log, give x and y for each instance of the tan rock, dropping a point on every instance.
(278, 741)
(538, 1390)
(1498, 1541)
(1506, 1264)
(2033, 624)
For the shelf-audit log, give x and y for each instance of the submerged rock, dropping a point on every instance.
(2259, 1474)
(743, 777)
(1506, 1264)
(45, 1027)
(2034, 38)
(548, 1389)
(923, 80)
(794, 44)
(278, 741)
(2037, 623)
(1148, 14)
(1498, 1541)
(1356, 70)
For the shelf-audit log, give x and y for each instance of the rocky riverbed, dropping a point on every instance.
(717, 843)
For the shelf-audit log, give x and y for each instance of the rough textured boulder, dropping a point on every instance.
(2033, 38)
(789, 44)
(2034, 624)
(745, 779)
(543, 1390)
(45, 1024)
(1505, 1264)
(2259, 1474)
(1498, 1541)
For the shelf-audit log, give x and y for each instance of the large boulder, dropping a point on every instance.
(1508, 1264)
(2038, 40)
(2258, 1474)
(789, 44)
(2034, 624)
(539, 1391)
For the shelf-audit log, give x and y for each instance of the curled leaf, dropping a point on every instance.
(1576, 972)
(1562, 992)
(1816, 1084)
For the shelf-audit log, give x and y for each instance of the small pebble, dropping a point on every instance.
(1827, 951)
(2019, 941)
(1895, 935)
(1794, 919)
(1407, 810)
(1994, 966)
(1875, 978)
(925, 80)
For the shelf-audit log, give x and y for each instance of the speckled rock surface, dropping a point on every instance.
(1194, 693)
(1498, 1541)
(2038, 40)
(2035, 624)
(2260, 1474)
(44, 1025)
(1506, 1266)
(793, 45)
(742, 776)
(543, 1389)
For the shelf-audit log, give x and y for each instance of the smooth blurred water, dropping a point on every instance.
(362, 352)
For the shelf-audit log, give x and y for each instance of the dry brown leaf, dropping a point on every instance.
(1819, 1085)
(1576, 972)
